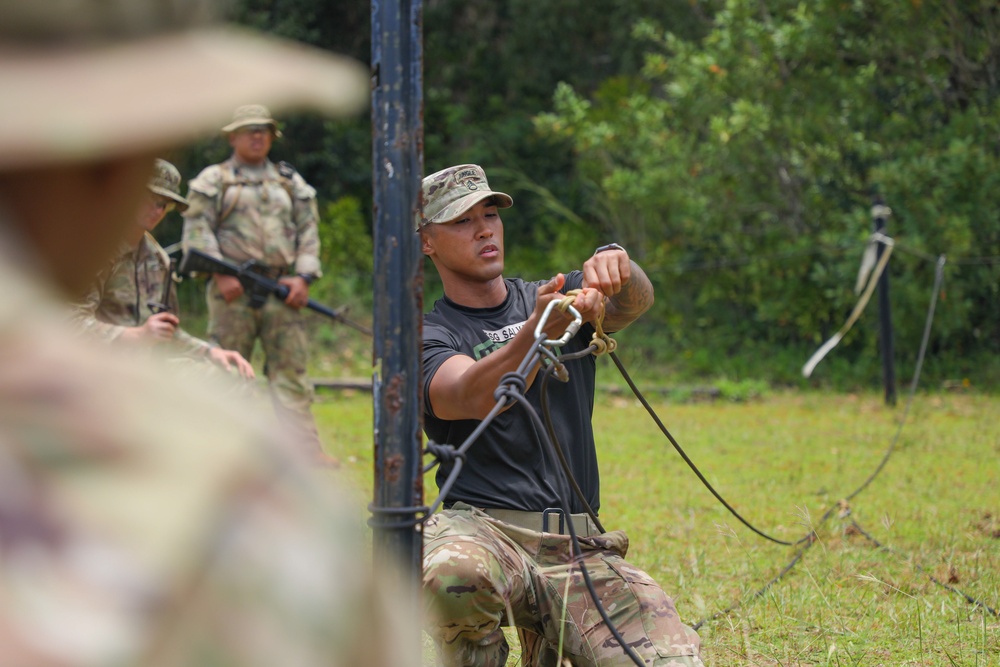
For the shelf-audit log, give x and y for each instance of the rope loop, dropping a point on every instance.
(568, 300)
(443, 453)
(509, 381)
(600, 341)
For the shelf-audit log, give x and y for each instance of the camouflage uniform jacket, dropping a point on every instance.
(121, 295)
(144, 521)
(267, 213)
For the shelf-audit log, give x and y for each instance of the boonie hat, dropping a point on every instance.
(453, 191)
(166, 182)
(89, 79)
(252, 114)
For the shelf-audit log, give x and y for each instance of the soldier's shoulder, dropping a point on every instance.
(300, 189)
(209, 180)
(156, 249)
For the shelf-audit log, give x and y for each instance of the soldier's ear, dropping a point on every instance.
(426, 243)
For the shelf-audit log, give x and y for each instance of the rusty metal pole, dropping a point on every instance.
(397, 167)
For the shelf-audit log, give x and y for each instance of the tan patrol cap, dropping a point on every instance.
(86, 79)
(252, 114)
(166, 182)
(453, 191)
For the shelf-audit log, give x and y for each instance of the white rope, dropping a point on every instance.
(873, 276)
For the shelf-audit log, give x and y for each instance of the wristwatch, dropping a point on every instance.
(610, 246)
(308, 277)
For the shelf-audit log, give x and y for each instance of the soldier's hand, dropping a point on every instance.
(557, 322)
(607, 271)
(298, 291)
(160, 327)
(588, 303)
(229, 286)
(232, 360)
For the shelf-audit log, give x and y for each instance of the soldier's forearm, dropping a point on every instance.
(105, 331)
(634, 299)
(189, 344)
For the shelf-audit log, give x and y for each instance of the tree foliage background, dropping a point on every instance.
(734, 147)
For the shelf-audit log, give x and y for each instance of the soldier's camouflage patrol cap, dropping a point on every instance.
(453, 191)
(87, 79)
(252, 114)
(166, 182)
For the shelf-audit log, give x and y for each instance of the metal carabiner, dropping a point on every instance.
(571, 329)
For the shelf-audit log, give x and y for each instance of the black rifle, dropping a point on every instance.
(256, 285)
(163, 305)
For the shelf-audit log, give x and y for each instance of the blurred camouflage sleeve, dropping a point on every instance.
(146, 521)
(185, 342)
(305, 215)
(188, 344)
(202, 216)
(83, 314)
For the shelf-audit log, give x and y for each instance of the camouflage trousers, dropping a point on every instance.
(282, 334)
(481, 574)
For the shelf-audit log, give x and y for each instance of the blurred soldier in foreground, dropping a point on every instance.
(249, 209)
(142, 522)
(134, 299)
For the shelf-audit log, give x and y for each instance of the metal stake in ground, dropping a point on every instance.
(881, 213)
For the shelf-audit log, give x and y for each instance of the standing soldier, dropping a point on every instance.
(251, 209)
(134, 300)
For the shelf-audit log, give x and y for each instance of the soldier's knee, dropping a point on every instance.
(456, 567)
(465, 588)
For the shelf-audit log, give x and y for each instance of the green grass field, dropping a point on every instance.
(782, 461)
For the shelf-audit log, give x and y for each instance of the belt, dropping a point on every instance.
(549, 521)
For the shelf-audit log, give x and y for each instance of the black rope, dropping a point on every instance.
(574, 541)
(938, 277)
(512, 387)
(690, 463)
(557, 447)
(801, 552)
(459, 455)
(971, 600)
(843, 505)
(444, 453)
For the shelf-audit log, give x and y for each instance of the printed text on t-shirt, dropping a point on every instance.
(496, 339)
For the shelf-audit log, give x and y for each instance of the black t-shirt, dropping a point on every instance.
(506, 466)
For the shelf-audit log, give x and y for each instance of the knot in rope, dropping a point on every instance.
(509, 381)
(443, 453)
(600, 341)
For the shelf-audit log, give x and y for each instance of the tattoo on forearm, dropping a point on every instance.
(635, 298)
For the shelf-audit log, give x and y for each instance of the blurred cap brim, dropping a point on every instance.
(67, 104)
(237, 124)
(182, 203)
